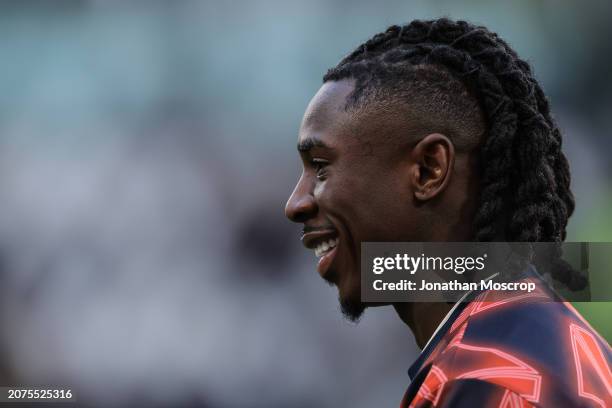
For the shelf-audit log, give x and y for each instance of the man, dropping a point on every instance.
(438, 131)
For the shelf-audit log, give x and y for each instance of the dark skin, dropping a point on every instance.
(370, 174)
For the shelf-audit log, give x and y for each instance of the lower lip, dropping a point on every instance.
(325, 261)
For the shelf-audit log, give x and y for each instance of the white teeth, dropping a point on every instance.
(324, 247)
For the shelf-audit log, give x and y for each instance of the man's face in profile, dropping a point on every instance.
(352, 188)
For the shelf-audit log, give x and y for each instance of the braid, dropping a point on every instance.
(525, 191)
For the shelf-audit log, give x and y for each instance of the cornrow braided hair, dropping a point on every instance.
(525, 184)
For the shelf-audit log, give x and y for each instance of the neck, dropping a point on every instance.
(423, 318)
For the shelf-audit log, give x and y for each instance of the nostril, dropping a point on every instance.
(299, 208)
(299, 217)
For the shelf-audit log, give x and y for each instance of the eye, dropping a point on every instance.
(319, 166)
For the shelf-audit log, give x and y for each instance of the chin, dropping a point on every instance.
(352, 310)
(350, 303)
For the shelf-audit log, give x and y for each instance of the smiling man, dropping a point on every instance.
(438, 131)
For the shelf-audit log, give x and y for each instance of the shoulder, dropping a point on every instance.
(542, 351)
(468, 393)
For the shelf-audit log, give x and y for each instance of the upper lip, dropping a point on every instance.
(313, 236)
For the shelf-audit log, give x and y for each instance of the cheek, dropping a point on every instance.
(379, 203)
(369, 202)
(341, 197)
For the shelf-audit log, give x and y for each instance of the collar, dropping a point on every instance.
(442, 329)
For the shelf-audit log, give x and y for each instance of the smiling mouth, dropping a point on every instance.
(324, 242)
(326, 247)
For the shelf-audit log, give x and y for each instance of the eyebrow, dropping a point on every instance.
(305, 145)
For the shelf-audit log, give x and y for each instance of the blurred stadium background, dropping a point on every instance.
(146, 153)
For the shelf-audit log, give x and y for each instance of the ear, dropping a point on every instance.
(433, 159)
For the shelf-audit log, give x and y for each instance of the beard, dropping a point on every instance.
(352, 310)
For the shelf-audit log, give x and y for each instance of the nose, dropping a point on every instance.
(301, 206)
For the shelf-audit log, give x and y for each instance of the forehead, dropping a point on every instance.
(327, 119)
(326, 110)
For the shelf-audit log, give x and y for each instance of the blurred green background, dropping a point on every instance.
(597, 227)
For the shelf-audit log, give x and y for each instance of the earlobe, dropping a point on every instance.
(433, 159)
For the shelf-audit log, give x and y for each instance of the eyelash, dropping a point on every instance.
(319, 166)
